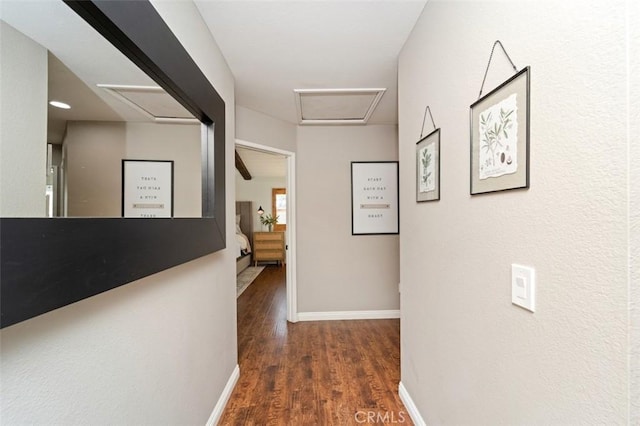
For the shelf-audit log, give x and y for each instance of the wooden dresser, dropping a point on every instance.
(268, 246)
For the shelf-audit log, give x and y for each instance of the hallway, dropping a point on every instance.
(311, 373)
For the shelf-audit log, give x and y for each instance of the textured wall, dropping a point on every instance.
(468, 355)
(180, 143)
(253, 126)
(634, 205)
(23, 125)
(157, 351)
(338, 271)
(94, 153)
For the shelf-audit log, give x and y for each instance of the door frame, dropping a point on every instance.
(291, 284)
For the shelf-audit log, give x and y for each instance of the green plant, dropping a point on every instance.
(426, 161)
(269, 220)
(492, 136)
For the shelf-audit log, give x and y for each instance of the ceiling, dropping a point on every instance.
(272, 47)
(263, 165)
(65, 86)
(79, 60)
(275, 47)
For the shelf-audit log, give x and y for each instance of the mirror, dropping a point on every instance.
(47, 263)
(109, 111)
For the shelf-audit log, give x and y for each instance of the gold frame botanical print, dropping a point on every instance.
(500, 137)
(428, 167)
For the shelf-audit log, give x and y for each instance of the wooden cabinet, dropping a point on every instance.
(268, 246)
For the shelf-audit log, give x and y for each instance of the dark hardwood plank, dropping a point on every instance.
(312, 373)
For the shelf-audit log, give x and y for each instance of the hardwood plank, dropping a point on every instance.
(312, 373)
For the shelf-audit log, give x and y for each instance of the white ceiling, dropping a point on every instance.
(274, 47)
(65, 86)
(79, 60)
(261, 164)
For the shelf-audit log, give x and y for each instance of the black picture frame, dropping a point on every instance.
(503, 112)
(427, 155)
(130, 185)
(48, 263)
(375, 198)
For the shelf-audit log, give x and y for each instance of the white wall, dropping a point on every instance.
(93, 168)
(258, 190)
(94, 154)
(468, 355)
(23, 125)
(338, 271)
(156, 351)
(180, 143)
(262, 129)
(634, 204)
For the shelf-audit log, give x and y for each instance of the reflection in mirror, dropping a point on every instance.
(69, 161)
(50, 263)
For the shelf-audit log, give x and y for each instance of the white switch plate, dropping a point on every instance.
(523, 287)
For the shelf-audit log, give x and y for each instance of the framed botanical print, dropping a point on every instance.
(428, 167)
(500, 137)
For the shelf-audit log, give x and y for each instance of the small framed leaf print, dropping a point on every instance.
(428, 167)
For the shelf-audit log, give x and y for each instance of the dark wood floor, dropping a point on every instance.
(312, 373)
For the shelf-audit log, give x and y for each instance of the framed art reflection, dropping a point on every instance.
(147, 188)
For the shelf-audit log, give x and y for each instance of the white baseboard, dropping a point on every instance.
(410, 406)
(348, 315)
(224, 398)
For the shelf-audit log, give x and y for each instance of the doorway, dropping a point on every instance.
(290, 219)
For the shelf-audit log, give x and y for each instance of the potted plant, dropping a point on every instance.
(269, 220)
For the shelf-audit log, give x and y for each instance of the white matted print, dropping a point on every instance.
(374, 198)
(147, 188)
(498, 133)
(428, 167)
(500, 137)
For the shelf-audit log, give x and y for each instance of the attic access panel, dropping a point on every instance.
(152, 101)
(336, 106)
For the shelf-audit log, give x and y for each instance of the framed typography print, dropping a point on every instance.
(374, 198)
(500, 137)
(428, 167)
(147, 188)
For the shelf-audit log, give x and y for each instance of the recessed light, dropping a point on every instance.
(59, 104)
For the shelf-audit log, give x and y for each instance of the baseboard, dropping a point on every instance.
(410, 406)
(348, 315)
(224, 398)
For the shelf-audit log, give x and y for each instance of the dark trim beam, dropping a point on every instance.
(242, 168)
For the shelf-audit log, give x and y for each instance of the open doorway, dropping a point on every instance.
(272, 178)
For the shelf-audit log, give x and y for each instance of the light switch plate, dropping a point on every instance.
(523, 287)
